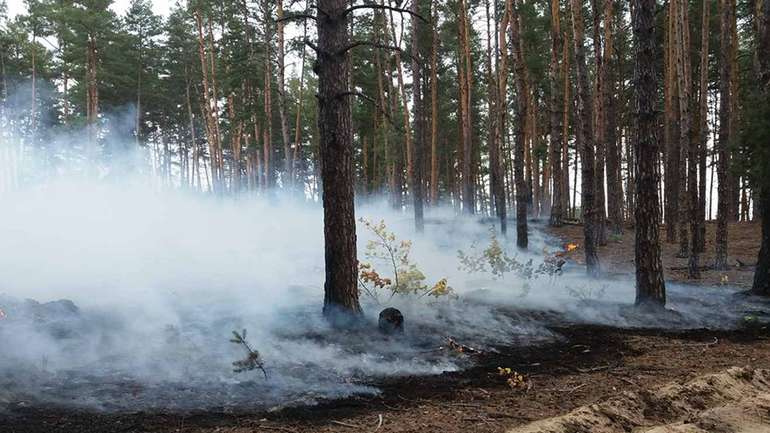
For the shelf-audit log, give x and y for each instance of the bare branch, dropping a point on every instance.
(312, 46)
(384, 7)
(355, 44)
(372, 101)
(297, 17)
(369, 44)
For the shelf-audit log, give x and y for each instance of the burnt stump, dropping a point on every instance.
(391, 321)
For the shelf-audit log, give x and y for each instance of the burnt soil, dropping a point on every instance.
(590, 364)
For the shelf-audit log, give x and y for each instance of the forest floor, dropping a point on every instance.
(618, 255)
(593, 365)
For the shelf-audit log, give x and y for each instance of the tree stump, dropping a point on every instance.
(391, 321)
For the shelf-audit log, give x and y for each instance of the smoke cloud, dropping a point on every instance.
(120, 294)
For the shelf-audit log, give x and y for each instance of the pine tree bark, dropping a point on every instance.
(762, 274)
(586, 138)
(727, 13)
(520, 135)
(405, 110)
(267, 131)
(92, 97)
(565, 71)
(556, 117)
(287, 156)
(671, 149)
(600, 128)
(298, 118)
(208, 99)
(688, 178)
(761, 284)
(466, 80)
(614, 182)
(336, 154)
(499, 125)
(416, 183)
(703, 124)
(650, 287)
(434, 112)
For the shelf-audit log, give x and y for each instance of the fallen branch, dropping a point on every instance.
(344, 424)
(252, 360)
(594, 369)
(458, 347)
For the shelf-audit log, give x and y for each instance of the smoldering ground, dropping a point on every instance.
(120, 292)
(158, 280)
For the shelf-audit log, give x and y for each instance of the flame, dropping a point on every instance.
(570, 247)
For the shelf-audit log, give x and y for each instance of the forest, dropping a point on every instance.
(385, 215)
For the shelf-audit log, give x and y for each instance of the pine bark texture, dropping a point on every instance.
(556, 114)
(585, 134)
(727, 14)
(762, 274)
(650, 287)
(419, 122)
(522, 106)
(336, 153)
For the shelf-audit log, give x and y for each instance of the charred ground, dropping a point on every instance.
(588, 364)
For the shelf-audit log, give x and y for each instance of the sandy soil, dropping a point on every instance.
(735, 400)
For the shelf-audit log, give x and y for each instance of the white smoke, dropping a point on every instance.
(161, 276)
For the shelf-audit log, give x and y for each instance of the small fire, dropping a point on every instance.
(570, 247)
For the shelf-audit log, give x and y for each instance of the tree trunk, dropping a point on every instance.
(725, 138)
(196, 174)
(416, 184)
(586, 138)
(650, 287)
(671, 144)
(499, 124)
(267, 131)
(688, 216)
(92, 98)
(298, 118)
(600, 130)
(336, 154)
(556, 117)
(466, 80)
(565, 70)
(33, 84)
(614, 182)
(287, 156)
(434, 112)
(522, 104)
(209, 102)
(762, 274)
(405, 110)
(704, 125)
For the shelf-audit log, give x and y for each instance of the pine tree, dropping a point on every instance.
(336, 153)
(650, 287)
(727, 15)
(585, 139)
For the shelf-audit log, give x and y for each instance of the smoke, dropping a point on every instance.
(159, 277)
